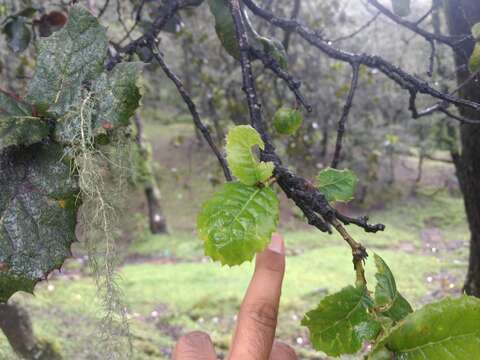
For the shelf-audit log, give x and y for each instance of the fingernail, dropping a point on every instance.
(276, 244)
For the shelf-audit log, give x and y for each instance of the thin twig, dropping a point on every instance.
(343, 119)
(103, 9)
(359, 30)
(399, 76)
(195, 116)
(138, 17)
(451, 41)
(148, 38)
(292, 83)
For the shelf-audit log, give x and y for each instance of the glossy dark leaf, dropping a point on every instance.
(21, 130)
(37, 215)
(341, 322)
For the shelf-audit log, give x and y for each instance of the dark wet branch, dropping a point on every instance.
(344, 117)
(195, 116)
(431, 62)
(452, 41)
(360, 221)
(434, 7)
(399, 76)
(441, 106)
(149, 38)
(292, 83)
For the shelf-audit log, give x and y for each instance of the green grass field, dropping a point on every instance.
(170, 288)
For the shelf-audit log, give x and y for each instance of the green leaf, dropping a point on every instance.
(38, 205)
(9, 105)
(387, 297)
(118, 95)
(67, 59)
(17, 33)
(113, 100)
(237, 222)
(447, 329)
(476, 31)
(474, 62)
(224, 27)
(401, 7)
(240, 158)
(275, 49)
(287, 121)
(337, 185)
(341, 322)
(21, 130)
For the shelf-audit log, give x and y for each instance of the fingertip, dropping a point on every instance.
(276, 244)
(273, 257)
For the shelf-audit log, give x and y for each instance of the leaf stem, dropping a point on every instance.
(359, 253)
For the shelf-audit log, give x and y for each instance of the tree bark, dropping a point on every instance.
(461, 15)
(17, 327)
(157, 222)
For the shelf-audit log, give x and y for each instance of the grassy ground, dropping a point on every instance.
(170, 287)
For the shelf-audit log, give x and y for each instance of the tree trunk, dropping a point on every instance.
(17, 327)
(158, 223)
(461, 15)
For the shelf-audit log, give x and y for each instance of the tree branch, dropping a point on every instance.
(399, 76)
(292, 83)
(450, 41)
(343, 119)
(149, 38)
(195, 116)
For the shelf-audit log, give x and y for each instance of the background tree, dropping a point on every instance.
(461, 16)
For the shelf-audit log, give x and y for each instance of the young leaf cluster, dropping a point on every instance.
(239, 219)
